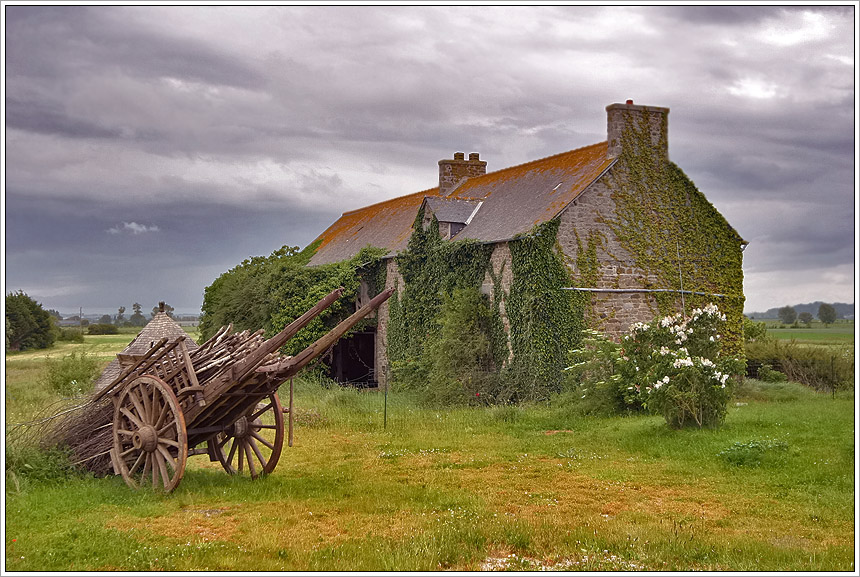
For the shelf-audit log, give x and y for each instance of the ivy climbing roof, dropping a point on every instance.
(513, 200)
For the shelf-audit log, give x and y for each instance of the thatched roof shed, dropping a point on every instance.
(161, 326)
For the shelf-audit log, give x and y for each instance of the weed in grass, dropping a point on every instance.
(753, 453)
(72, 375)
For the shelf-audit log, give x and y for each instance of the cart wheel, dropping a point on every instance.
(150, 445)
(255, 439)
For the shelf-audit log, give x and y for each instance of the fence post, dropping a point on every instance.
(385, 405)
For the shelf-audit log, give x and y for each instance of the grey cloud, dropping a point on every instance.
(329, 106)
(45, 118)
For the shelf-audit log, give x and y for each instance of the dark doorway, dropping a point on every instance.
(352, 360)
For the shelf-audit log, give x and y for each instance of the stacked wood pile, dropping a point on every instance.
(229, 365)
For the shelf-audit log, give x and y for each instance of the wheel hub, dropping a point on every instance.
(145, 438)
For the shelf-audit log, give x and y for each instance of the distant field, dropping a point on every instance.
(837, 334)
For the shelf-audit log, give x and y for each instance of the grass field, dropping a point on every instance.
(530, 488)
(840, 333)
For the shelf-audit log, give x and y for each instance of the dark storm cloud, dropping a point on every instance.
(49, 118)
(235, 130)
(718, 15)
(59, 41)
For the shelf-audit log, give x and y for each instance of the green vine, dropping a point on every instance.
(546, 322)
(431, 268)
(673, 232)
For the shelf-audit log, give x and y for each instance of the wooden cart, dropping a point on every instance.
(219, 400)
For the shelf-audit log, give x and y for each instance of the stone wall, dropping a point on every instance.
(500, 262)
(611, 313)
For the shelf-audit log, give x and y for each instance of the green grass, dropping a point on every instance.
(840, 333)
(521, 488)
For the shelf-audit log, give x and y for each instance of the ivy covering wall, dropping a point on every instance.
(673, 232)
(440, 312)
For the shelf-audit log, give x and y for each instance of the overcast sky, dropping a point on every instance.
(149, 149)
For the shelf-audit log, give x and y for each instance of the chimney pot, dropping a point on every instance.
(161, 306)
(453, 172)
(629, 101)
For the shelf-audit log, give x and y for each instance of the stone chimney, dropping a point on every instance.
(451, 172)
(618, 116)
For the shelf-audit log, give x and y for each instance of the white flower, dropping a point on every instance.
(706, 362)
(664, 351)
(711, 338)
(665, 321)
(683, 363)
(666, 379)
(658, 384)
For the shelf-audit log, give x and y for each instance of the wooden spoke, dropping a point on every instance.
(134, 420)
(260, 411)
(149, 429)
(147, 404)
(257, 438)
(251, 468)
(133, 468)
(253, 445)
(135, 399)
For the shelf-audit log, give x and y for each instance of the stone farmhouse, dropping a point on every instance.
(634, 232)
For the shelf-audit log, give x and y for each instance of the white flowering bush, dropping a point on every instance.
(674, 366)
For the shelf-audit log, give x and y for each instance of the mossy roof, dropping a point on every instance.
(513, 200)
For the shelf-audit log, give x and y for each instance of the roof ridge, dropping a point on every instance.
(545, 158)
(473, 178)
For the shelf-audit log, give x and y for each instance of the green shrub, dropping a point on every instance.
(752, 453)
(28, 464)
(72, 375)
(70, 335)
(457, 366)
(593, 381)
(754, 331)
(102, 329)
(767, 374)
(821, 368)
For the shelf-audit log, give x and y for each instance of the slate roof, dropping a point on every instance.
(451, 209)
(159, 327)
(513, 201)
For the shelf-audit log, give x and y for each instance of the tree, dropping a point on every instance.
(55, 314)
(137, 319)
(826, 314)
(787, 315)
(105, 320)
(120, 315)
(29, 326)
(167, 308)
(805, 318)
